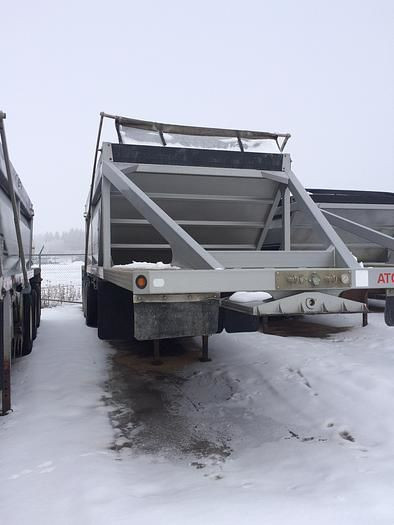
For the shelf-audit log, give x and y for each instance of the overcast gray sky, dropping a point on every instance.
(322, 71)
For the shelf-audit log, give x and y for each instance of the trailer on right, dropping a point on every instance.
(358, 217)
(180, 218)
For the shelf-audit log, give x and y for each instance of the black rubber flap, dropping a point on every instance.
(389, 311)
(136, 154)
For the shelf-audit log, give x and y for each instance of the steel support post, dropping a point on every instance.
(106, 222)
(285, 219)
(204, 350)
(89, 210)
(156, 353)
(268, 220)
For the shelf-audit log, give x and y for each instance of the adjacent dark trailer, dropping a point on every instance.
(180, 217)
(20, 296)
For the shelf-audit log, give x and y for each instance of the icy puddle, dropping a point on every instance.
(167, 409)
(200, 413)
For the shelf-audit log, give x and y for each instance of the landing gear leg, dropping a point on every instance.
(365, 318)
(156, 353)
(204, 350)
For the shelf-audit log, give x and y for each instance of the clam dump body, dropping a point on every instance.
(19, 282)
(204, 201)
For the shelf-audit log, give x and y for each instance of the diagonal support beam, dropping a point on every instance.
(360, 230)
(268, 220)
(275, 176)
(286, 219)
(186, 251)
(345, 257)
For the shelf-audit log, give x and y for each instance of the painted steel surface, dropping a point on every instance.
(8, 241)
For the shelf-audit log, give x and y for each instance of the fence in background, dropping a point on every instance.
(61, 278)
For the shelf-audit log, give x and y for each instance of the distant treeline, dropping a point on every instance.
(72, 241)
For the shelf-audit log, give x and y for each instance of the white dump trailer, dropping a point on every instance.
(20, 297)
(198, 205)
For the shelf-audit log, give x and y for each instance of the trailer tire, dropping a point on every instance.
(389, 311)
(27, 324)
(91, 304)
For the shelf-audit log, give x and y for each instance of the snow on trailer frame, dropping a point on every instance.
(19, 283)
(155, 196)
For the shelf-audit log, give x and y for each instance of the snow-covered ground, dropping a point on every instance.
(295, 428)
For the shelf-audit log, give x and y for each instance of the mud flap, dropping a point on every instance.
(236, 322)
(115, 312)
(179, 319)
(389, 310)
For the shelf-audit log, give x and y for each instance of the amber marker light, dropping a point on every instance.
(141, 281)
